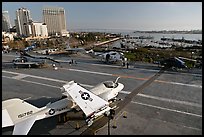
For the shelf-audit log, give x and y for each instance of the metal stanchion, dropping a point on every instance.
(125, 114)
(77, 126)
(108, 125)
(114, 124)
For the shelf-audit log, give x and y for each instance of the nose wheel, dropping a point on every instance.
(89, 122)
(114, 100)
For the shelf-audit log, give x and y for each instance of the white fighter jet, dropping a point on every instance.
(94, 103)
(22, 115)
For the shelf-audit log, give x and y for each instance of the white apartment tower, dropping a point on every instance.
(39, 29)
(23, 19)
(6, 25)
(55, 19)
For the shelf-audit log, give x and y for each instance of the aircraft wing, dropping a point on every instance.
(23, 127)
(181, 61)
(6, 119)
(36, 57)
(26, 63)
(86, 100)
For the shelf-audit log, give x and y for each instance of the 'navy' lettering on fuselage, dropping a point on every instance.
(25, 114)
(52, 111)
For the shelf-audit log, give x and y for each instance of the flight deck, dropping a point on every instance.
(159, 103)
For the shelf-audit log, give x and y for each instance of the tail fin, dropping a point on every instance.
(14, 110)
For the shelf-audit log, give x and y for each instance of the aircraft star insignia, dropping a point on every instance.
(51, 111)
(85, 96)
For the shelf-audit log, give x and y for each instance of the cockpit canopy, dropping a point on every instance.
(110, 84)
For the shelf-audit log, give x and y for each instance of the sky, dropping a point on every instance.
(119, 15)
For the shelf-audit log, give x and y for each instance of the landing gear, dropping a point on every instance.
(114, 100)
(89, 122)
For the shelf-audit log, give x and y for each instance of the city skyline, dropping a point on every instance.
(119, 15)
(6, 25)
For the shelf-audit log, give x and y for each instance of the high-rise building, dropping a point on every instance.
(55, 19)
(6, 25)
(23, 21)
(39, 29)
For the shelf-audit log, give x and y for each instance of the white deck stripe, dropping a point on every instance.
(100, 73)
(171, 100)
(165, 99)
(86, 71)
(45, 78)
(62, 81)
(85, 85)
(173, 110)
(107, 74)
(32, 82)
(183, 84)
(20, 76)
(192, 128)
(111, 66)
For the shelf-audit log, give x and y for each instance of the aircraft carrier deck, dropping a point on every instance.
(170, 104)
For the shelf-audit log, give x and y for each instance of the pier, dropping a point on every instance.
(106, 42)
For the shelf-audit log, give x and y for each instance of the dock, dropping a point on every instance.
(106, 42)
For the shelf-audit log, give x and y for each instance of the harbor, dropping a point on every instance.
(102, 68)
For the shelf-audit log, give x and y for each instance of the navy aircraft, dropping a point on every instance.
(73, 50)
(22, 115)
(94, 103)
(28, 61)
(112, 57)
(108, 57)
(174, 63)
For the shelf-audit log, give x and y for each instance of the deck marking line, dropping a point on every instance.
(165, 99)
(173, 110)
(20, 76)
(167, 82)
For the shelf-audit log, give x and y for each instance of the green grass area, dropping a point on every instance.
(150, 55)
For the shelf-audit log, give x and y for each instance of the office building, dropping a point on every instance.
(6, 25)
(23, 21)
(55, 19)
